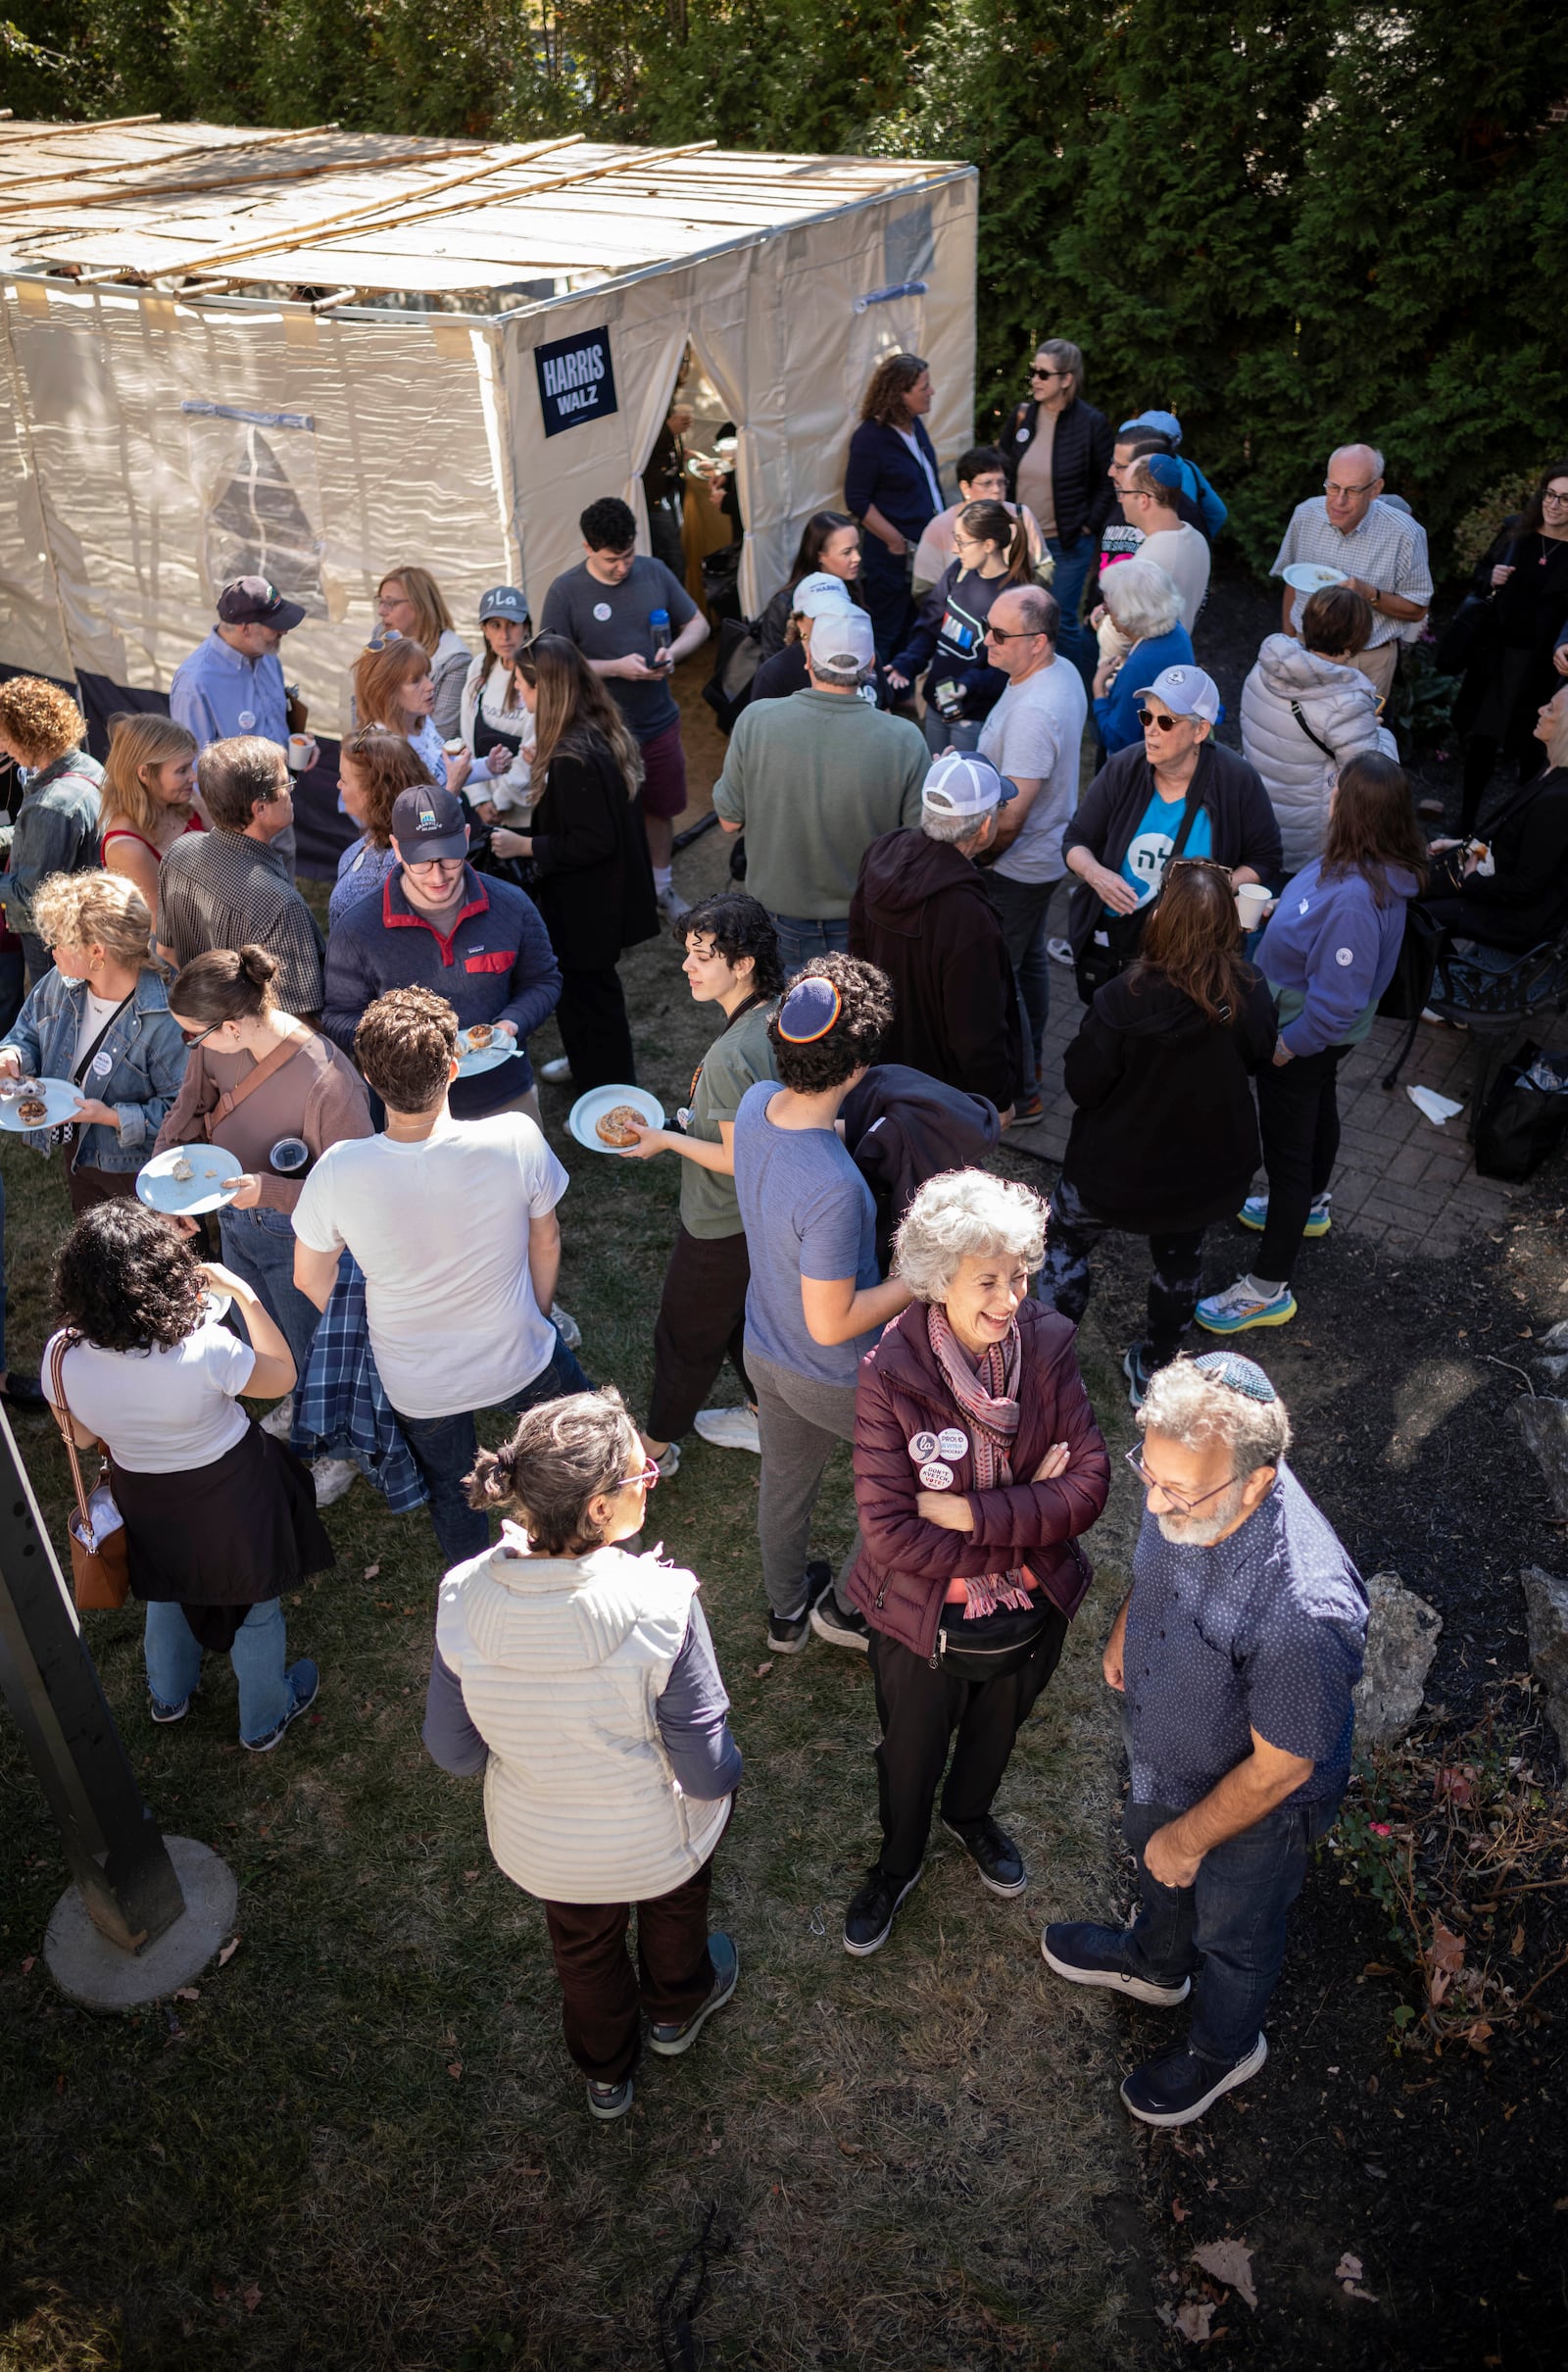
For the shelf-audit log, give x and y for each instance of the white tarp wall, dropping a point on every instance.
(148, 444)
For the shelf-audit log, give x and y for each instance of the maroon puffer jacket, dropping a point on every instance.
(900, 1581)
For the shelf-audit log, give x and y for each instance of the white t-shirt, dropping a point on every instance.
(441, 1232)
(163, 1411)
(1184, 557)
(96, 1014)
(1035, 732)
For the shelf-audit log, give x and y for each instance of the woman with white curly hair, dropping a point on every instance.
(977, 1462)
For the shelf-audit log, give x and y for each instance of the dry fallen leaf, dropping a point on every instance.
(371, 1572)
(1178, 2211)
(188, 1992)
(1193, 2320)
(1348, 2268)
(1230, 2262)
(228, 1951)
(763, 1669)
(1479, 2035)
(251, 2297)
(1515, 1947)
(26, 1965)
(1447, 1956)
(454, 2069)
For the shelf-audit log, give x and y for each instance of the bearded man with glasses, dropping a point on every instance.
(1235, 1651)
(1174, 793)
(1376, 549)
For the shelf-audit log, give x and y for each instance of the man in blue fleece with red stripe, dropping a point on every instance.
(437, 924)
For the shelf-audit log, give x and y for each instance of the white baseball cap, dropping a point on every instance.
(964, 783)
(822, 591)
(842, 639)
(1185, 692)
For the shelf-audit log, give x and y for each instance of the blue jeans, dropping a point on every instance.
(1227, 1930)
(800, 939)
(259, 1246)
(942, 734)
(175, 1663)
(1073, 640)
(444, 1450)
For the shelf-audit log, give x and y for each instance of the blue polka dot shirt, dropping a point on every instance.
(1265, 1630)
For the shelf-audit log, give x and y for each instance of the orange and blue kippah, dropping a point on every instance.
(810, 1009)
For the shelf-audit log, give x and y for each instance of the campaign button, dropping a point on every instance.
(937, 1477)
(950, 1443)
(922, 1446)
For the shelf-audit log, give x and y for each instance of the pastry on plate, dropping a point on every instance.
(619, 1125)
(33, 1108)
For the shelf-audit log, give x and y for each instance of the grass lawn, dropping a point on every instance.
(364, 2143)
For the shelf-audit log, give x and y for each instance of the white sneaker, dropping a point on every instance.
(668, 1462)
(671, 904)
(556, 1073)
(332, 1477)
(1060, 950)
(730, 1429)
(566, 1326)
(279, 1422)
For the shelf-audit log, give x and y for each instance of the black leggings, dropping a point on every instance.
(1298, 1116)
(1175, 1280)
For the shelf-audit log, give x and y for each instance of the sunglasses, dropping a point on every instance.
(1178, 1499)
(1162, 724)
(194, 1037)
(1008, 635)
(1208, 865)
(1038, 374)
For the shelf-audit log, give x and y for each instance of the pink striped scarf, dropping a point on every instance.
(987, 1396)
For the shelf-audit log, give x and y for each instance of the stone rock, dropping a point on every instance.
(1556, 1337)
(1555, 1370)
(1402, 1640)
(1545, 1425)
(1546, 1615)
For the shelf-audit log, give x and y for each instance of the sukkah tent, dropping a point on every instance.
(315, 355)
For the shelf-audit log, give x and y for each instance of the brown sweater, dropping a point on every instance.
(318, 1096)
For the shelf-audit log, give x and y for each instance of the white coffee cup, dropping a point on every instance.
(1250, 900)
(299, 753)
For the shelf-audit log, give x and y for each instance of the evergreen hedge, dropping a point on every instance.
(1293, 225)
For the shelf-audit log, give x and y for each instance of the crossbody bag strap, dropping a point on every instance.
(79, 1073)
(1329, 753)
(62, 1408)
(268, 1067)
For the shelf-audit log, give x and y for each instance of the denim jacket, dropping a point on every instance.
(147, 1062)
(56, 831)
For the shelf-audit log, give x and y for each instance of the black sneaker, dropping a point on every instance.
(1178, 2087)
(994, 1855)
(1137, 1369)
(670, 2041)
(839, 1626)
(787, 1634)
(873, 1909)
(1097, 1955)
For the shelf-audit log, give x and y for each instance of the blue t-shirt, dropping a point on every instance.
(807, 1212)
(1263, 1631)
(1152, 845)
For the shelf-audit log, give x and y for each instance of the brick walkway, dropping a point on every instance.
(1400, 1180)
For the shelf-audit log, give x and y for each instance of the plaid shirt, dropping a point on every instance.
(221, 889)
(1386, 550)
(341, 1407)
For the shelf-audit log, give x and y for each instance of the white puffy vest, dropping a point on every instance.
(1341, 707)
(563, 1661)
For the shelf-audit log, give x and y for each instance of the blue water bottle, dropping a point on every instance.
(659, 628)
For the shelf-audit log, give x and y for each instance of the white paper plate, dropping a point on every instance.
(472, 1060)
(62, 1096)
(187, 1198)
(590, 1108)
(1312, 576)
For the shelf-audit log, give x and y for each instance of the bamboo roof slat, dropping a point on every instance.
(74, 132)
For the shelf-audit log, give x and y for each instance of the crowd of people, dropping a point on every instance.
(936, 740)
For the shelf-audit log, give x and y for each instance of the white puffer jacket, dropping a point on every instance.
(563, 1661)
(1342, 708)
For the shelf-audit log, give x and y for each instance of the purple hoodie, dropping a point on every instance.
(1330, 951)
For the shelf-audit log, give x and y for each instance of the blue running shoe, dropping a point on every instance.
(1241, 1306)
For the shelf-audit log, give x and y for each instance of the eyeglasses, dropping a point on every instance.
(1011, 634)
(646, 1478)
(1558, 501)
(194, 1037)
(1178, 1499)
(1329, 487)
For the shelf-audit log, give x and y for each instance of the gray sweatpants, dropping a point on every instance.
(799, 1420)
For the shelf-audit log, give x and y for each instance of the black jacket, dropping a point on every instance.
(1080, 460)
(1524, 898)
(1164, 1137)
(1242, 823)
(901, 1129)
(596, 884)
(922, 914)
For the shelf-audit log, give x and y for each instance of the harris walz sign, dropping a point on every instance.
(576, 380)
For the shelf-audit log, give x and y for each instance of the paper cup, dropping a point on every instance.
(299, 753)
(1250, 900)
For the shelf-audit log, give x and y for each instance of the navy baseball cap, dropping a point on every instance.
(505, 601)
(428, 824)
(250, 601)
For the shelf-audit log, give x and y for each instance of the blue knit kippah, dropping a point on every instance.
(1164, 468)
(1241, 1374)
(808, 1011)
